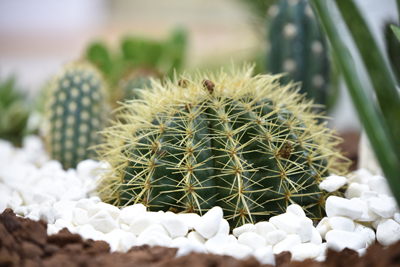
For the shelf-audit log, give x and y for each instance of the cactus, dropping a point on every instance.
(298, 48)
(137, 80)
(14, 112)
(244, 143)
(75, 111)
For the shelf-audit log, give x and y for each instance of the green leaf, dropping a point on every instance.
(380, 74)
(396, 31)
(370, 116)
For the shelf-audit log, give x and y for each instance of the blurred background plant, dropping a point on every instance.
(14, 111)
(379, 111)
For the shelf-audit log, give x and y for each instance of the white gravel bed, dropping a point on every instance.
(36, 187)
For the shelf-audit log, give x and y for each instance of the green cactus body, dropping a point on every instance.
(246, 144)
(75, 110)
(137, 80)
(297, 47)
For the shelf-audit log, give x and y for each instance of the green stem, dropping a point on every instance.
(369, 115)
(379, 72)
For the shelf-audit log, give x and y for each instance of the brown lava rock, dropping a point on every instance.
(25, 243)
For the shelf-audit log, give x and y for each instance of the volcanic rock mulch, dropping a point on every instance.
(24, 242)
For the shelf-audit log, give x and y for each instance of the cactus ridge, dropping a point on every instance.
(75, 111)
(247, 144)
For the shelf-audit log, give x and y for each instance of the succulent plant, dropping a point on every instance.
(14, 114)
(393, 50)
(75, 111)
(298, 48)
(247, 144)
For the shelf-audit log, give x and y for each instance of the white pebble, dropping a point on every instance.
(296, 210)
(79, 216)
(209, 223)
(341, 223)
(380, 185)
(216, 243)
(113, 238)
(232, 239)
(360, 176)
(52, 229)
(61, 223)
(286, 244)
(190, 219)
(47, 213)
(274, 237)
(85, 204)
(388, 232)
(41, 197)
(315, 237)
(129, 213)
(140, 223)
(338, 240)
(154, 228)
(306, 228)
(175, 225)
(337, 206)
(265, 255)
(223, 227)
(154, 239)
(248, 227)
(287, 222)
(239, 251)
(87, 168)
(195, 247)
(64, 209)
(304, 251)
(367, 232)
(367, 216)
(103, 221)
(196, 237)
(263, 228)
(179, 242)
(14, 201)
(101, 206)
(252, 240)
(356, 190)
(127, 241)
(323, 227)
(88, 232)
(396, 217)
(332, 183)
(124, 227)
(367, 195)
(381, 207)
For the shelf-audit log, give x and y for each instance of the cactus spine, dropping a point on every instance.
(244, 143)
(75, 111)
(298, 48)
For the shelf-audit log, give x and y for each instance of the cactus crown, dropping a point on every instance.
(244, 143)
(75, 111)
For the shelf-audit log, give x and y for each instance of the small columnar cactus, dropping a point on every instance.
(297, 47)
(75, 111)
(246, 144)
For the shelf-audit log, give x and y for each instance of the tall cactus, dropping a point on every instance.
(75, 111)
(297, 47)
(244, 143)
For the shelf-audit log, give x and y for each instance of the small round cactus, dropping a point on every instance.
(244, 143)
(298, 48)
(75, 111)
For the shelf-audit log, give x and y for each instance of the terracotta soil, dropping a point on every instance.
(24, 242)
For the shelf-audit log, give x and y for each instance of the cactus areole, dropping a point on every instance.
(246, 144)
